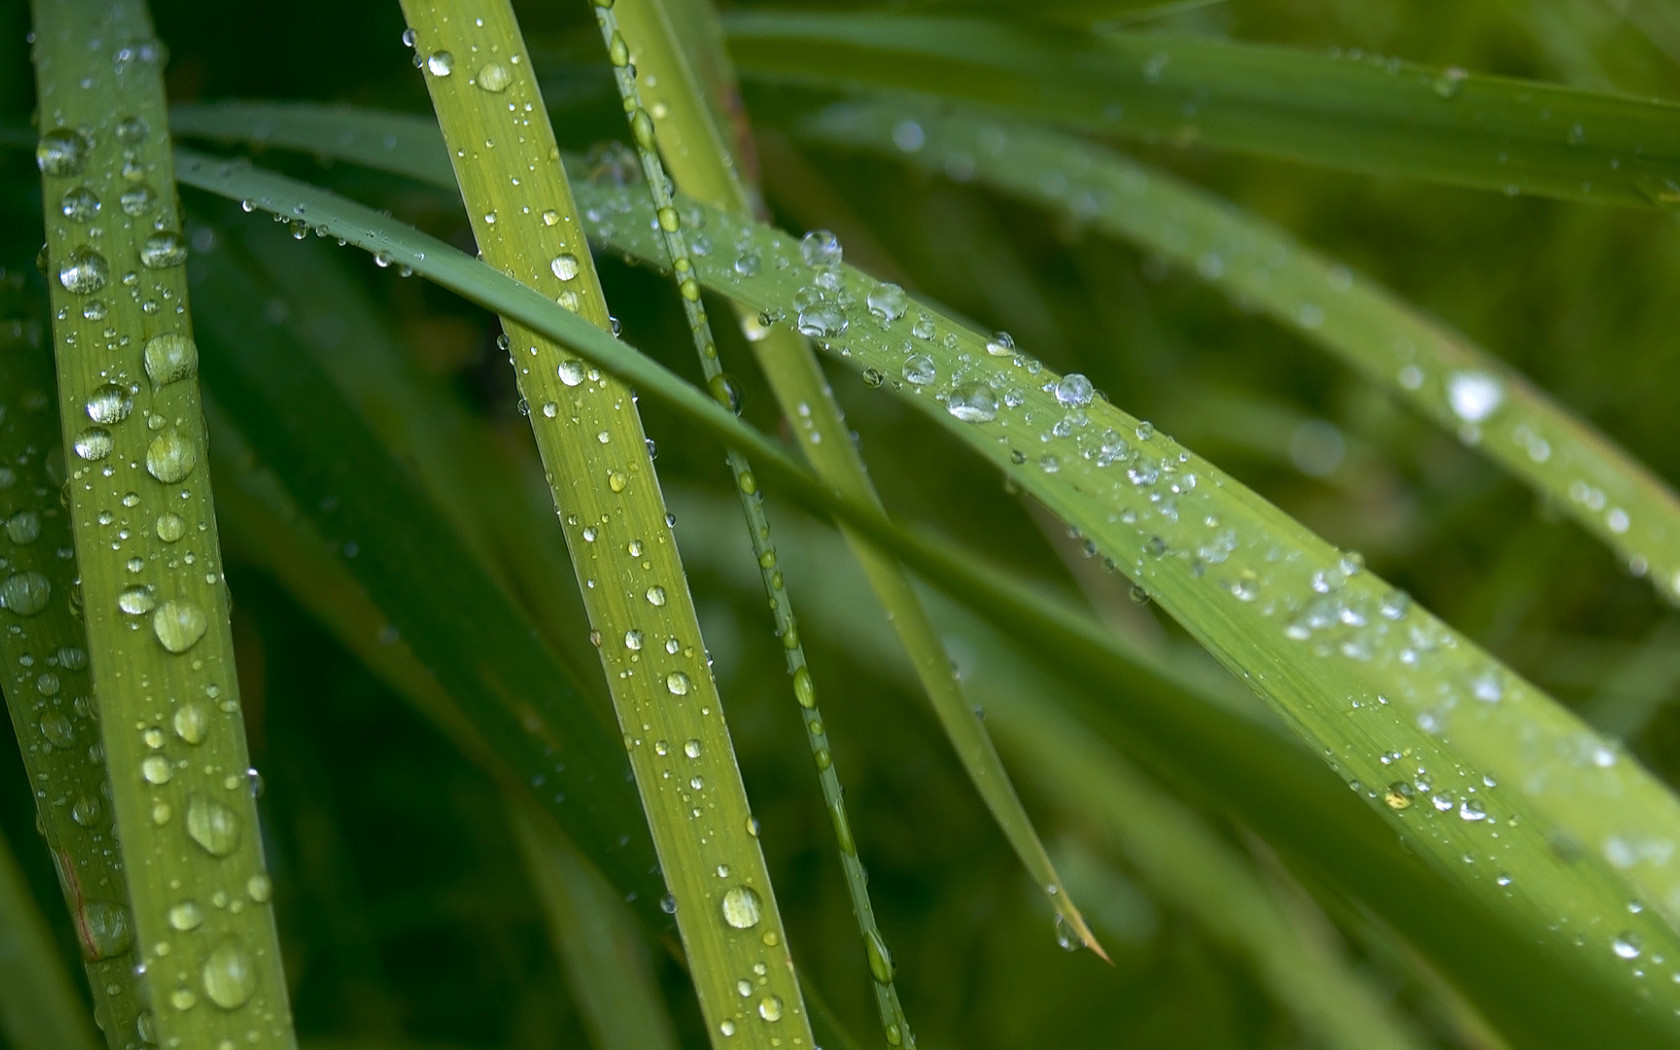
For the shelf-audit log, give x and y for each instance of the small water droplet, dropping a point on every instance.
(565, 266)
(94, 443)
(186, 916)
(692, 748)
(191, 722)
(920, 370)
(156, 770)
(137, 200)
(973, 402)
(104, 929)
(79, 204)
(678, 683)
(1074, 390)
(493, 78)
(1473, 396)
(820, 248)
(888, 302)
(656, 595)
(440, 63)
(770, 1008)
(1626, 946)
(136, 600)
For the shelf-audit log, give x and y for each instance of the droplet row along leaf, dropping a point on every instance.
(153, 597)
(1458, 384)
(1557, 887)
(591, 441)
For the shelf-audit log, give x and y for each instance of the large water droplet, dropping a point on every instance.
(212, 825)
(973, 402)
(573, 372)
(88, 812)
(94, 443)
(79, 204)
(770, 1008)
(171, 456)
(109, 404)
(742, 907)
(62, 151)
(83, 271)
(440, 63)
(136, 600)
(25, 593)
(1626, 946)
(191, 722)
(565, 267)
(820, 248)
(821, 320)
(888, 302)
(170, 357)
(880, 958)
(104, 930)
(495, 78)
(186, 916)
(1074, 390)
(171, 527)
(163, 250)
(229, 978)
(179, 624)
(137, 200)
(24, 527)
(131, 131)
(678, 683)
(58, 730)
(920, 370)
(156, 770)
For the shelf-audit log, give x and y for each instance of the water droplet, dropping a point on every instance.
(24, 527)
(57, 730)
(179, 624)
(156, 770)
(633, 639)
(137, 200)
(131, 131)
(820, 248)
(678, 683)
(171, 456)
(692, 748)
(656, 595)
(170, 357)
(493, 78)
(62, 151)
(1626, 946)
(212, 825)
(821, 320)
(79, 204)
(136, 600)
(880, 958)
(104, 929)
(186, 916)
(565, 267)
(1145, 430)
(94, 443)
(183, 999)
(171, 527)
(83, 271)
(1474, 395)
(1074, 390)
(617, 480)
(1448, 83)
(440, 63)
(109, 404)
(726, 1028)
(229, 979)
(668, 904)
(25, 593)
(973, 402)
(770, 1008)
(804, 690)
(163, 250)
(742, 908)
(191, 722)
(1398, 796)
(888, 302)
(259, 888)
(919, 369)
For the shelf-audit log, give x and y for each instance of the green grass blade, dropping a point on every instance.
(40, 1007)
(1230, 753)
(607, 493)
(153, 597)
(605, 963)
(1457, 384)
(1357, 113)
(687, 71)
(48, 687)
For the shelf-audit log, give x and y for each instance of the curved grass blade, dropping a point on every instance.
(705, 168)
(1361, 113)
(40, 1007)
(1457, 384)
(153, 597)
(48, 687)
(1184, 861)
(634, 588)
(1563, 888)
(605, 964)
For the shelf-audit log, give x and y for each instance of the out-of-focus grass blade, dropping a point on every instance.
(604, 961)
(1184, 861)
(47, 685)
(154, 601)
(1456, 383)
(1569, 863)
(40, 1008)
(1359, 112)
